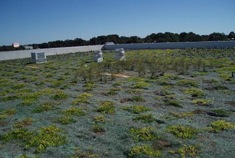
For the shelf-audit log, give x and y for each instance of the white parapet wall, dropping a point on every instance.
(172, 45)
(19, 54)
(9, 55)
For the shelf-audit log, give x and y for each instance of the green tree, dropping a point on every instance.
(231, 35)
(217, 37)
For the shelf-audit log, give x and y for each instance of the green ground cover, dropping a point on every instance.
(157, 103)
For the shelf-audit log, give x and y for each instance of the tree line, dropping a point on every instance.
(152, 38)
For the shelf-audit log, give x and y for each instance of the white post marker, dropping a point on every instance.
(98, 56)
(120, 54)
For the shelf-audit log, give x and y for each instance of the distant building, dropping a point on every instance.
(109, 43)
(15, 45)
(28, 47)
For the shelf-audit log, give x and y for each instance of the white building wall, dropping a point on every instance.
(8, 55)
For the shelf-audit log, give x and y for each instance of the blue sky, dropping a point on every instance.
(37, 21)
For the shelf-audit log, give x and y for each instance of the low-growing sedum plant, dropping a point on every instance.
(182, 114)
(221, 125)
(10, 97)
(18, 86)
(134, 91)
(143, 151)
(6, 113)
(23, 123)
(145, 118)
(96, 128)
(182, 131)
(219, 113)
(11, 111)
(188, 151)
(47, 136)
(45, 107)
(60, 95)
(140, 85)
(99, 118)
(136, 109)
(27, 102)
(26, 156)
(172, 102)
(142, 134)
(65, 120)
(137, 98)
(187, 83)
(74, 111)
(113, 91)
(88, 153)
(82, 98)
(89, 86)
(203, 102)
(106, 107)
(18, 134)
(194, 92)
